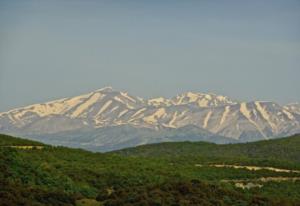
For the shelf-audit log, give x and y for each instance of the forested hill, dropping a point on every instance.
(6, 140)
(285, 149)
(33, 174)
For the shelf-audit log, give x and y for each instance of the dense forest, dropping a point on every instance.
(182, 173)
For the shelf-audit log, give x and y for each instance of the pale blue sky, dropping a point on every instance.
(243, 49)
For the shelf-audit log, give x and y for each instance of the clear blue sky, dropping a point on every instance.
(243, 49)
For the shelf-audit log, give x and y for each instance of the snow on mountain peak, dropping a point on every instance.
(160, 101)
(108, 107)
(293, 107)
(105, 89)
(202, 100)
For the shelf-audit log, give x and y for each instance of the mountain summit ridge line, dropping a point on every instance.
(106, 107)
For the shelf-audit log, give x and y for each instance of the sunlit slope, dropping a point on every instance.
(104, 108)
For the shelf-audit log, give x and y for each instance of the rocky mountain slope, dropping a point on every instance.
(107, 108)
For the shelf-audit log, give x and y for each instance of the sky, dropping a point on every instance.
(247, 50)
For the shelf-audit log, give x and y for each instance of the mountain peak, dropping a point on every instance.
(293, 107)
(160, 101)
(294, 104)
(108, 107)
(105, 89)
(202, 99)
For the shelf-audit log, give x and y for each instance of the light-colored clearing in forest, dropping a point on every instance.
(253, 168)
(26, 147)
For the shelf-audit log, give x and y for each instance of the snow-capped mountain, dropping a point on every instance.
(191, 98)
(218, 115)
(293, 107)
(202, 100)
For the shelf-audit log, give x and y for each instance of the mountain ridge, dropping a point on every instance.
(106, 107)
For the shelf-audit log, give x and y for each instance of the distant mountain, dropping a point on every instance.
(105, 113)
(293, 107)
(117, 137)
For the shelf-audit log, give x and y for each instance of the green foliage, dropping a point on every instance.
(185, 193)
(283, 151)
(6, 140)
(161, 174)
(88, 202)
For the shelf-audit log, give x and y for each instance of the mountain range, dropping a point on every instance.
(107, 119)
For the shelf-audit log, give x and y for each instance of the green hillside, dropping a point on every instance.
(6, 140)
(161, 174)
(283, 150)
